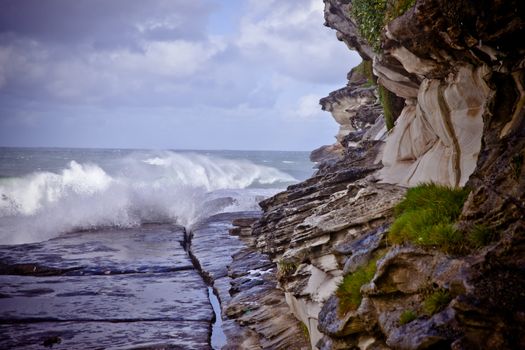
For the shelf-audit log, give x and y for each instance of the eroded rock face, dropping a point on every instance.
(353, 107)
(328, 224)
(449, 56)
(475, 53)
(337, 16)
(357, 111)
(440, 68)
(459, 67)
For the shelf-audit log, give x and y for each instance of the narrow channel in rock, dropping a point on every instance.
(217, 337)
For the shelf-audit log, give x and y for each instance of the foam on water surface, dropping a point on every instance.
(137, 188)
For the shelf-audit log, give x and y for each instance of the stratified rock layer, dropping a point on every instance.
(255, 314)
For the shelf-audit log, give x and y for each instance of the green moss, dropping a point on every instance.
(426, 217)
(386, 99)
(436, 302)
(368, 71)
(304, 329)
(396, 8)
(407, 316)
(349, 291)
(372, 15)
(369, 15)
(480, 236)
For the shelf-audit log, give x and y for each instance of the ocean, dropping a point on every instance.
(46, 192)
(94, 250)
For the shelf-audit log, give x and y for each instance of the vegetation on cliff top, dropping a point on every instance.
(372, 15)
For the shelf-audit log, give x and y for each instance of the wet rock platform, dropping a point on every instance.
(112, 289)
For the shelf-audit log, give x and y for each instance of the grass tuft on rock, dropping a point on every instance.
(349, 291)
(436, 302)
(407, 316)
(426, 217)
(285, 268)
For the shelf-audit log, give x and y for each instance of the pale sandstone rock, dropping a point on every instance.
(327, 263)
(395, 80)
(320, 285)
(307, 312)
(344, 107)
(413, 63)
(439, 139)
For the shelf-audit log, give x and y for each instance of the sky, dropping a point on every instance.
(168, 74)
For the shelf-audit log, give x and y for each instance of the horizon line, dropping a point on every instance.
(156, 149)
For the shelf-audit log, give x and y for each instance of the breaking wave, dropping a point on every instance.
(166, 187)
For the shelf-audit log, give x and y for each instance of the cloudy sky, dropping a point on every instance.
(178, 74)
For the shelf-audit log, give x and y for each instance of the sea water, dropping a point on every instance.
(90, 242)
(45, 192)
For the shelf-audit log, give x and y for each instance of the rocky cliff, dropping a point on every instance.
(439, 98)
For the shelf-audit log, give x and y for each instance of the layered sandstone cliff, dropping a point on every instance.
(458, 70)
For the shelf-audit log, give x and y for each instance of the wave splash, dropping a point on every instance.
(168, 187)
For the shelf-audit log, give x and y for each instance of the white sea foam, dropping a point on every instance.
(166, 187)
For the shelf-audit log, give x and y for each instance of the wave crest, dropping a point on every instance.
(166, 187)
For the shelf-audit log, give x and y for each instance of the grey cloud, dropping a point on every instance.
(104, 23)
(79, 72)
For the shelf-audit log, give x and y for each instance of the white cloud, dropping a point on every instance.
(307, 108)
(292, 38)
(173, 59)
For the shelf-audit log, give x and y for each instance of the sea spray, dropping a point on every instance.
(141, 187)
